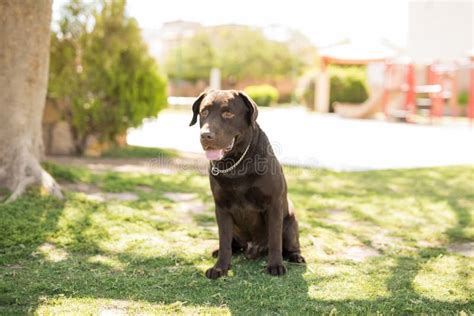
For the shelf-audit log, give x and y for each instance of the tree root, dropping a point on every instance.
(35, 175)
(20, 188)
(3, 173)
(50, 185)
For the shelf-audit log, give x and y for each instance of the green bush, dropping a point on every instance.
(463, 98)
(263, 95)
(348, 85)
(103, 76)
(240, 52)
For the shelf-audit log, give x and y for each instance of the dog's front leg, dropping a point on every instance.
(275, 227)
(225, 225)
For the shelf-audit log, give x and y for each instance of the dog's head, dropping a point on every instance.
(224, 117)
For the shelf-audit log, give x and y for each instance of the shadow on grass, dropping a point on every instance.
(453, 186)
(28, 277)
(31, 279)
(464, 220)
(172, 280)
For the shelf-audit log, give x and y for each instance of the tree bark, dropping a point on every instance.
(24, 63)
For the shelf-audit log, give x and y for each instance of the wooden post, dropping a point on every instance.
(453, 101)
(322, 88)
(470, 109)
(215, 79)
(386, 87)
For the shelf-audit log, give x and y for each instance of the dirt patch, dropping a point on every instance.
(121, 196)
(359, 253)
(146, 238)
(336, 212)
(80, 187)
(428, 244)
(93, 193)
(339, 217)
(144, 188)
(192, 207)
(186, 202)
(159, 165)
(352, 250)
(465, 249)
(113, 312)
(381, 241)
(51, 252)
(180, 197)
(14, 266)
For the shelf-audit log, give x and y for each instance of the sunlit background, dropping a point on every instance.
(369, 105)
(321, 67)
(324, 23)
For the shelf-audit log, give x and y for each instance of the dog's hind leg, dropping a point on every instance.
(255, 251)
(291, 243)
(237, 247)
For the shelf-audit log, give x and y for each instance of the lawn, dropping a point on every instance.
(391, 242)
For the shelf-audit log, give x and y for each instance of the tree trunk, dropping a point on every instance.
(24, 62)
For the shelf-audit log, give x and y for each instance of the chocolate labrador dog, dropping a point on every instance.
(253, 212)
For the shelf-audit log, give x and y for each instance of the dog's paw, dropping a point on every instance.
(254, 252)
(214, 273)
(296, 258)
(276, 269)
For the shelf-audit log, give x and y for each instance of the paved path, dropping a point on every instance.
(315, 140)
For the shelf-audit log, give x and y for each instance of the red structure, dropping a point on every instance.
(440, 89)
(436, 96)
(410, 98)
(470, 109)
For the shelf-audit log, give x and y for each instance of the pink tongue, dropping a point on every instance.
(214, 154)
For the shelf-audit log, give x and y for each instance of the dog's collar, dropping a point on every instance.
(216, 171)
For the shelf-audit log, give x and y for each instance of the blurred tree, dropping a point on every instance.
(105, 76)
(193, 60)
(24, 60)
(239, 51)
(67, 82)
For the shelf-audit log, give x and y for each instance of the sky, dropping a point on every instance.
(324, 22)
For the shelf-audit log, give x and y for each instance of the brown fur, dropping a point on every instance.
(251, 205)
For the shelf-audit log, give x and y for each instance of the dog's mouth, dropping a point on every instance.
(218, 154)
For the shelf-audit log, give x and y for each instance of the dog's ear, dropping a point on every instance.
(196, 106)
(252, 107)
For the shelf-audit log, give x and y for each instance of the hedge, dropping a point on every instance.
(348, 85)
(263, 95)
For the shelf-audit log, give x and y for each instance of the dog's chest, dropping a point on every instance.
(247, 209)
(242, 199)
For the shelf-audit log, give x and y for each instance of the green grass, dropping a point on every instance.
(149, 256)
(139, 152)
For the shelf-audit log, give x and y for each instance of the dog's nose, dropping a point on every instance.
(207, 136)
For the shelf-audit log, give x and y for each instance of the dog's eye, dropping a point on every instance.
(228, 115)
(204, 113)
